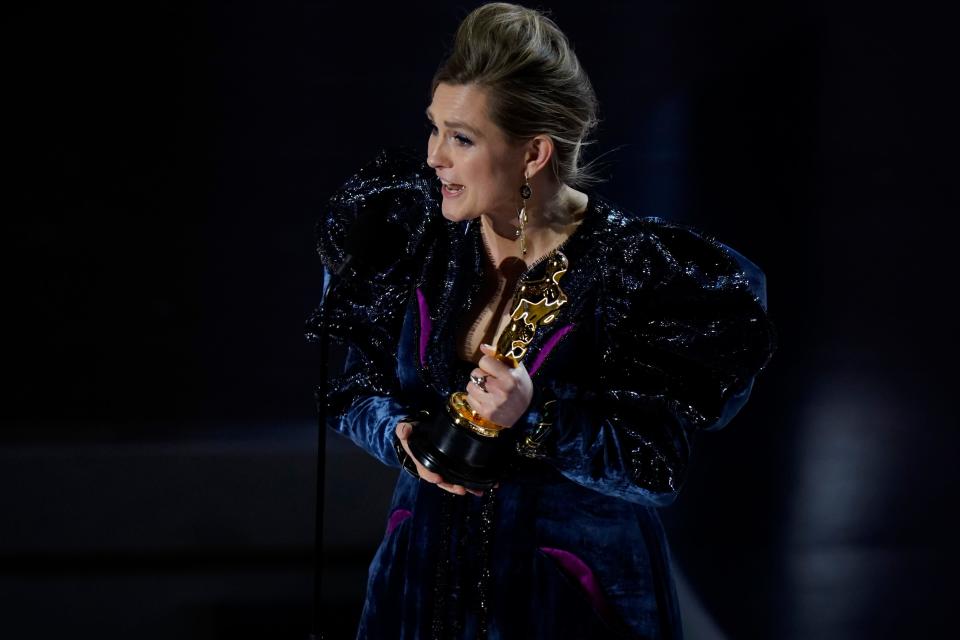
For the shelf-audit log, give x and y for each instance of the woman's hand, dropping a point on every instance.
(403, 430)
(506, 393)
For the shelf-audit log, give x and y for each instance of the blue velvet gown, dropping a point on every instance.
(662, 337)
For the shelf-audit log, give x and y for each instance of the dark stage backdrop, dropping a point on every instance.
(166, 162)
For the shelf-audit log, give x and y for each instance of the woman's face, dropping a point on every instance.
(480, 170)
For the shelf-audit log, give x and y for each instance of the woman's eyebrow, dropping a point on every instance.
(454, 124)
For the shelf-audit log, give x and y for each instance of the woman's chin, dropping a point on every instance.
(456, 214)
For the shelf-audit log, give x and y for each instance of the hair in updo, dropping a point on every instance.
(534, 81)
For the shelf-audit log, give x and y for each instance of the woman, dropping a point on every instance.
(662, 335)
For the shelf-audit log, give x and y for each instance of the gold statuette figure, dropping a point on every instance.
(535, 304)
(458, 443)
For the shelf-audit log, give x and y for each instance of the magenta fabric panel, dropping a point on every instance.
(548, 347)
(396, 518)
(424, 325)
(576, 568)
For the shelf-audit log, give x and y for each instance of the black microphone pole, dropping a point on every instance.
(366, 254)
(321, 394)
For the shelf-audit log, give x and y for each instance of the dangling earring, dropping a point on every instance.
(525, 193)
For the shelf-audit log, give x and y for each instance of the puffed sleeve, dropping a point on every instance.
(392, 195)
(682, 333)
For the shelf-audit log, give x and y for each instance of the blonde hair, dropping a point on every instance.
(534, 81)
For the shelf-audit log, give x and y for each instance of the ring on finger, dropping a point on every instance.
(480, 381)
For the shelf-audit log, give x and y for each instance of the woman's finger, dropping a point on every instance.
(452, 488)
(459, 489)
(480, 373)
(489, 380)
(476, 402)
(491, 364)
(474, 387)
(424, 473)
(480, 402)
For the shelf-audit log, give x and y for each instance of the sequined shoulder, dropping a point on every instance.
(653, 252)
(396, 189)
(684, 314)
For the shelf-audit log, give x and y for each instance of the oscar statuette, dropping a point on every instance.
(459, 444)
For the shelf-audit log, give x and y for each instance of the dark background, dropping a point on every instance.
(166, 163)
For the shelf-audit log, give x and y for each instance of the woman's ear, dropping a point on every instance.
(539, 151)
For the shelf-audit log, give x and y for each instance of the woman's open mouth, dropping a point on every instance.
(451, 190)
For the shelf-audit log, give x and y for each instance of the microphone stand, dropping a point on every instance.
(366, 255)
(316, 632)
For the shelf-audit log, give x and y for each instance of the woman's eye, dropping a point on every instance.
(462, 140)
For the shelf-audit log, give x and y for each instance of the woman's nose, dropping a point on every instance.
(435, 156)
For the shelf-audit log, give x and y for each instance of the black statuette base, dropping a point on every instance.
(458, 454)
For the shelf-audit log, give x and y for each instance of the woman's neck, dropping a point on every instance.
(548, 225)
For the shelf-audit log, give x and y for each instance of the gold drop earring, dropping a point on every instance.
(525, 193)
